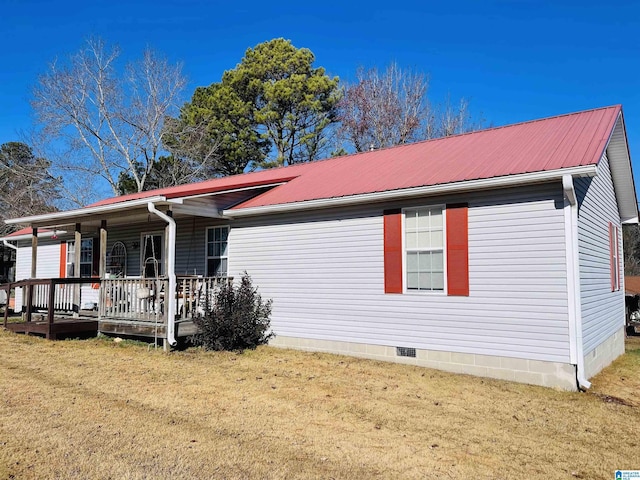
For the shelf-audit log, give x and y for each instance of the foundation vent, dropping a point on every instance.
(405, 352)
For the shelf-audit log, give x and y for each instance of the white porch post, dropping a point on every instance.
(103, 249)
(34, 265)
(34, 251)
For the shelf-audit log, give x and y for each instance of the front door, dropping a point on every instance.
(151, 255)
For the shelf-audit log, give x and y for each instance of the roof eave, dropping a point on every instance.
(71, 216)
(390, 195)
(617, 149)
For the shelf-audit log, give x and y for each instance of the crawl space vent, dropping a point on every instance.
(405, 352)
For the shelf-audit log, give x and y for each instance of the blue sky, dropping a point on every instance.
(514, 60)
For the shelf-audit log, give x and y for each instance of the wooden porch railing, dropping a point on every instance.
(134, 299)
(139, 299)
(143, 299)
(51, 294)
(194, 294)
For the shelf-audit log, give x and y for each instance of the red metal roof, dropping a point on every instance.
(246, 180)
(571, 140)
(27, 231)
(559, 142)
(22, 231)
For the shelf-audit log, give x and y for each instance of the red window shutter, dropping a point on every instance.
(612, 266)
(392, 251)
(458, 249)
(63, 259)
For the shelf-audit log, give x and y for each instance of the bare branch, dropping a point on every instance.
(393, 108)
(109, 122)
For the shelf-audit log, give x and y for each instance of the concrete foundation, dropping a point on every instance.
(605, 353)
(535, 372)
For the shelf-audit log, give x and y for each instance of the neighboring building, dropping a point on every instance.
(632, 303)
(495, 253)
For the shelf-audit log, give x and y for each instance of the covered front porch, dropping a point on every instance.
(140, 267)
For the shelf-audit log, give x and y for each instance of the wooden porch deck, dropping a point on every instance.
(62, 326)
(65, 326)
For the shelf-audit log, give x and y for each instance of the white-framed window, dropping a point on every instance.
(424, 248)
(152, 246)
(217, 248)
(86, 257)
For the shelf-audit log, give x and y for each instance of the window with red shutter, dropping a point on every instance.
(435, 253)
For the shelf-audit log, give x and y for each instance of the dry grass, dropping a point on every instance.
(95, 409)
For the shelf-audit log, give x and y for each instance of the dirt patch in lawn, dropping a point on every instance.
(96, 409)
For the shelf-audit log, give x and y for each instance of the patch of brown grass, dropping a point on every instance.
(622, 378)
(95, 409)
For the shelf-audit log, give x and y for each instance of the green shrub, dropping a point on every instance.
(236, 319)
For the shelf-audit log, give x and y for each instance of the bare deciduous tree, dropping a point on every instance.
(26, 185)
(631, 242)
(393, 108)
(197, 148)
(111, 122)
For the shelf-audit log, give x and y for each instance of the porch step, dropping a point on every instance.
(130, 327)
(184, 328)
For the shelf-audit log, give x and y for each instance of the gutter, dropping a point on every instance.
(387, 195)
(576, 343)
(171, 272)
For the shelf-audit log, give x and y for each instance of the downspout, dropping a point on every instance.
(573, 281)
(10, 245)
(171, 272)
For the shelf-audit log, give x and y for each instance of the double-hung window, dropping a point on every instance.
(86, 257)
(424, 248)
(217, 247)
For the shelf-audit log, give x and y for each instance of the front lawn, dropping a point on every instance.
(97, 409)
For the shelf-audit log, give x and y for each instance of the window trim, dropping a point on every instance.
(206, 249)
(161, 263)
(405, 289)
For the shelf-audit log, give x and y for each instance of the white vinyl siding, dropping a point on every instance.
(48, 264)
(325, 274)
(602, 309)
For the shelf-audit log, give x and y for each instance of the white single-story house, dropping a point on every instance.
(495, 253)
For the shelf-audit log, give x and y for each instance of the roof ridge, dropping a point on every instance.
(488, 129)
